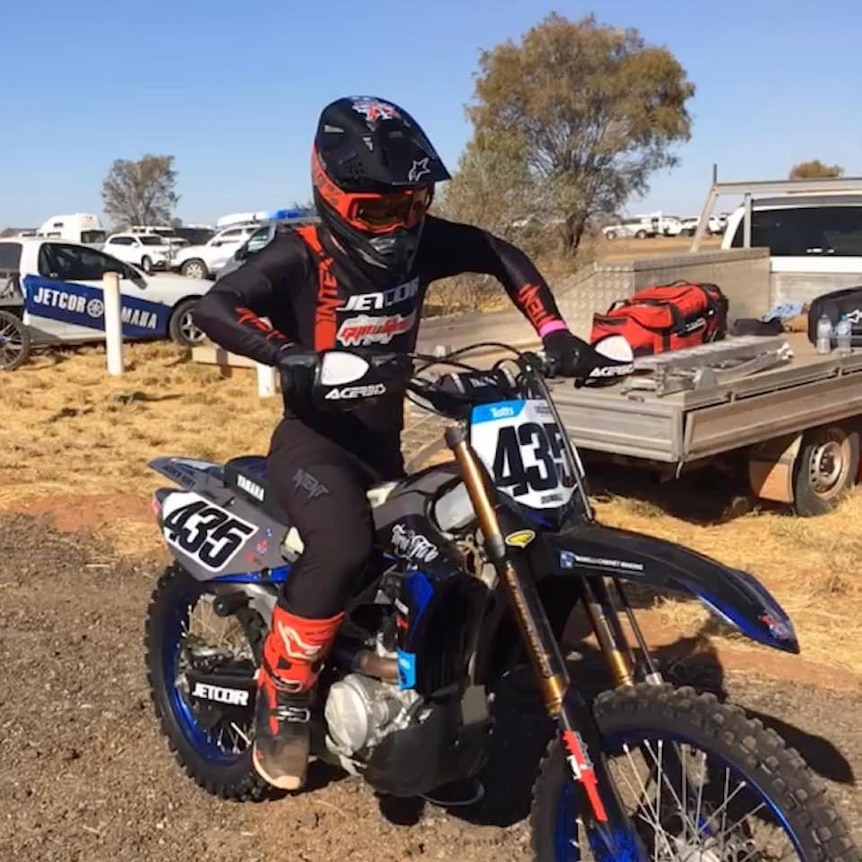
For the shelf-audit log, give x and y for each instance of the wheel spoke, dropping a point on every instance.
(209, 642)
(694, 842)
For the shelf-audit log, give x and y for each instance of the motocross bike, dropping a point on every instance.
(479, 563)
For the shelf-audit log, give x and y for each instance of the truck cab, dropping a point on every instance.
(85, 228)
(55, 287)
(804, 233)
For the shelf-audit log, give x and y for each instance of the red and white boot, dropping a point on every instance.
(293, 654)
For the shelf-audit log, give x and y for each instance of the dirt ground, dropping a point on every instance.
(86, 777)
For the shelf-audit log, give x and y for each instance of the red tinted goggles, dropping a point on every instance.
(374, 213)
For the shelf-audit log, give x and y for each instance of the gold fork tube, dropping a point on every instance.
(541, 644)
(617, 660)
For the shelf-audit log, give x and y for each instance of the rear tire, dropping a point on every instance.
(147, 264)
(826, 468)
(228, 776)
(757, 754)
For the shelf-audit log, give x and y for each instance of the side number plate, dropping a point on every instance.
(208, 534)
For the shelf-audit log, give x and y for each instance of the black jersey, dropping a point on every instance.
(315, 298)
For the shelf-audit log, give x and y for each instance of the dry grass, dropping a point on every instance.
(69, 428)
(810, 565)
(603, 249)
(69, 434)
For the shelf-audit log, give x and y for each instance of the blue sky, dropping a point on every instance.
(233, 89)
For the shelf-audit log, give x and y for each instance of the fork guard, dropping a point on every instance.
(735, 596)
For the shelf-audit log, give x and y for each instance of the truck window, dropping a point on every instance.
(74, 263)
(10, 255)
(259, 239)
(834, 231)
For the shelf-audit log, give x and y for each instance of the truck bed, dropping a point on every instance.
(687, 426)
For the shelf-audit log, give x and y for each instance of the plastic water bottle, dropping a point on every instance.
(844, 336)
(824, 334)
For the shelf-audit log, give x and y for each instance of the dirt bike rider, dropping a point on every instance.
(357, 280)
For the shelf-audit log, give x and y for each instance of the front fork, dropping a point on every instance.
(577, 727)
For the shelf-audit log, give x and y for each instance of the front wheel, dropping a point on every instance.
(182, 328)
(14, 342)
(744, 795)
(194, 268)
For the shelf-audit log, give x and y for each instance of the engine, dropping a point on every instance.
(360, 711)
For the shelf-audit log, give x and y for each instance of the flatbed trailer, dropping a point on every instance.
(797, 425)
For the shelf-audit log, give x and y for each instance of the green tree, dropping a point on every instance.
(141, 192)
(815, 170)
(593, 109)
(491, 187)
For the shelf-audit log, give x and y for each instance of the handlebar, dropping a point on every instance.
(346, 378)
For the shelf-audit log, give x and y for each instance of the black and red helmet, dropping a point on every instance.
(373, 172)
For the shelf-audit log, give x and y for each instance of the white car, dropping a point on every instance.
(637, 228)
(205, 261)
(61, 298)
(147, 251)
(713, 227)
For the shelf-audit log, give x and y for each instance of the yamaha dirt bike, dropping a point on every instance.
(479, 564)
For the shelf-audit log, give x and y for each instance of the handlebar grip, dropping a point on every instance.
(298, 359)
(287, 381)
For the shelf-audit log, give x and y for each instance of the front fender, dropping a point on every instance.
(735, 596)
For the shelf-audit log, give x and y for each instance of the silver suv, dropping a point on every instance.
(258, 240)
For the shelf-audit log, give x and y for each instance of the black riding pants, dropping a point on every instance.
(319, 473)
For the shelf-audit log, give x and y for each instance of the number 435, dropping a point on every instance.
(543, 445)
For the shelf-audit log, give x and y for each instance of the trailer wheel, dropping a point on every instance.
(825, 468)
(14, 342)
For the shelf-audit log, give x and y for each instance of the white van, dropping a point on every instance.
(76, 227)
(810, 233)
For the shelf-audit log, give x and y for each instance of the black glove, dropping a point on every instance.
(563, 351)
(297, 369)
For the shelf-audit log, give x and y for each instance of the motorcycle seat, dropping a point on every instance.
(248, 475)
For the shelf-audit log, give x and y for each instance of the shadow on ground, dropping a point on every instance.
(708, 496)
(523, 732)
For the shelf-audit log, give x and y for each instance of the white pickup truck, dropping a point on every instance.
(51, 292)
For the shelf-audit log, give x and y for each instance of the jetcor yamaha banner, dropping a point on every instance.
(83, 305)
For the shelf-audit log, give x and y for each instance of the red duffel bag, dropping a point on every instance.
(666, 317)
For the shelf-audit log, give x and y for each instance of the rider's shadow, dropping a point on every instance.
(523, 730)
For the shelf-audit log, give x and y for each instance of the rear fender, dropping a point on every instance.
(735, 596)
(190, 473)
(242, 545)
